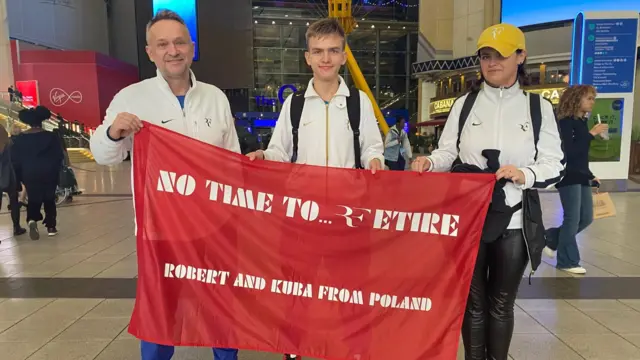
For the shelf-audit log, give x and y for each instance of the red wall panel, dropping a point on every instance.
(69, 89)
(77, 84)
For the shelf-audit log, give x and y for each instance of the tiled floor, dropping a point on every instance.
(96, 241)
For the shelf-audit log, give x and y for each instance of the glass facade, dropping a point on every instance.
(384, 53)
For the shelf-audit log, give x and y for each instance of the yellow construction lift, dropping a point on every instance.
(341, 10)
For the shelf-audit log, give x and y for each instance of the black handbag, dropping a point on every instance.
(533, 226)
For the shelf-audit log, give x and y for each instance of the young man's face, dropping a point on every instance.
(170, 48)
(325, 56)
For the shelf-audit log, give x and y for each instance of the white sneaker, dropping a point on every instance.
(549, 252)
(34, 234)
(579, 270)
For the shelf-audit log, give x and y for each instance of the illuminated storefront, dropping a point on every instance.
(441, 107)
(441, 82)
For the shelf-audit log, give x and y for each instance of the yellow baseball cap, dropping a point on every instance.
(504, 38)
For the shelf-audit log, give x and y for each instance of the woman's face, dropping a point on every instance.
(500, 71)
(586, 104)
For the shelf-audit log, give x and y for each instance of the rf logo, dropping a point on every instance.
(207, 121)
(497, 31)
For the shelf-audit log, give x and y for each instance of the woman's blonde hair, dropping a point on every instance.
(571, 100)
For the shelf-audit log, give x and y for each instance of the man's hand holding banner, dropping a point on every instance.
(322, 262)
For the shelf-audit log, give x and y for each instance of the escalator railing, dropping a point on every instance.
(397, 98)
(73, 134)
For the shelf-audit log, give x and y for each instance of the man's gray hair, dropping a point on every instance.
(164, 15)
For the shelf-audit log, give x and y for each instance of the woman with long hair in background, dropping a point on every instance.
(576, 103)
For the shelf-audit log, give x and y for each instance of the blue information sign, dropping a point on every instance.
(607, 54)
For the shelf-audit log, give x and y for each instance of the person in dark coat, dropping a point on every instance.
(37, 155)
(8, 181)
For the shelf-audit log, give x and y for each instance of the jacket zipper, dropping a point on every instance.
(194, 129)
(183, 109)
(326, 159)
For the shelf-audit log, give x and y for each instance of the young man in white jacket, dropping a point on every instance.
(174, 100)
(324, 134)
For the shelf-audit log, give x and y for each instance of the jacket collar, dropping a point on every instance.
(343, 90)
(497, 93)
(165, 85)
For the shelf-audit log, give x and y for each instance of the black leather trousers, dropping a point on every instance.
(488, 320)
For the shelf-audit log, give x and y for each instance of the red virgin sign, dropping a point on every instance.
(29, 90)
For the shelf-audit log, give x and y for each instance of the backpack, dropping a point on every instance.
(353, 111)
(535, 107)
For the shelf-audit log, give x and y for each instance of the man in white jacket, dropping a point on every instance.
(174, 100)
(324, 134)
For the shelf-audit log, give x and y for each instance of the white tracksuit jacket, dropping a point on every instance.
(500, 119)
(206, 116)
(324, 135)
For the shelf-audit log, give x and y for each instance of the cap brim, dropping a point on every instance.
(504, 49)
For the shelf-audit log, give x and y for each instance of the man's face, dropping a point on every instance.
(325, 56)
(169, 46)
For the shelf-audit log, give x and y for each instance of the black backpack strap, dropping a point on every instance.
(464, 113)
(295, 113)
(535, 107)
(353, 111)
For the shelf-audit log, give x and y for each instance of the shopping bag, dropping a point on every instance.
(603, 206)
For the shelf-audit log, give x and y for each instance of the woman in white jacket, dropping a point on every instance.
(498, 136)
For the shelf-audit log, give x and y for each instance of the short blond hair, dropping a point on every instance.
(325, 27)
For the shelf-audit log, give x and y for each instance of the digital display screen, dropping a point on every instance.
(187, 9)
(523, 13)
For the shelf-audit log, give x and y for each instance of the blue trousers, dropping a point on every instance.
(152, 351)
(577, 205)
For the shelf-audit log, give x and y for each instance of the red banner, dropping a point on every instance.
(29, 90)
(321, 262)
